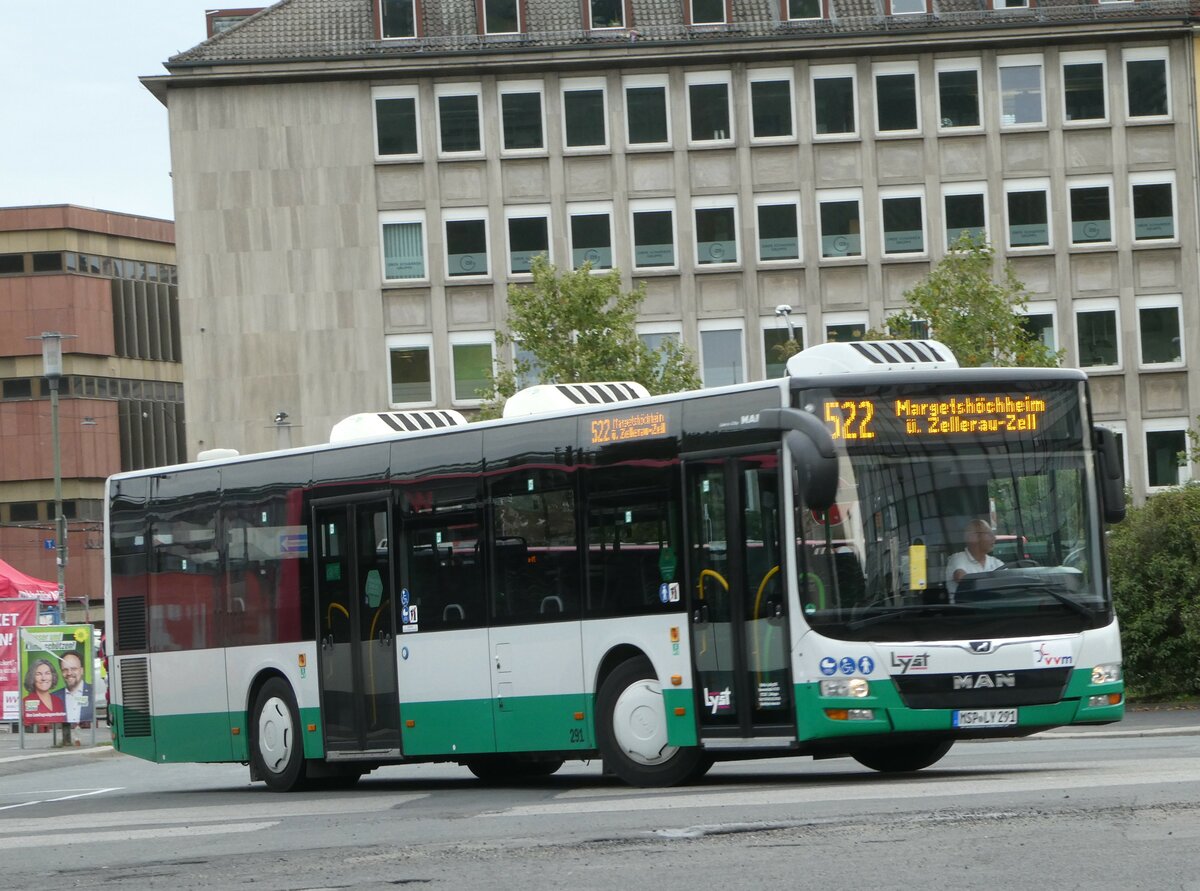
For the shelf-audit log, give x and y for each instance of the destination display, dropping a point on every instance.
(867, 420)
(628, 426)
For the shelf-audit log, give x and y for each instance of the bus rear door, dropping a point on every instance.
(738, 602)
(356, 625)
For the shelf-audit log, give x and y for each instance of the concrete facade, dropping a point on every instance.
(282, 197)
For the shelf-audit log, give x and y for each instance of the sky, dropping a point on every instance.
(76, 126)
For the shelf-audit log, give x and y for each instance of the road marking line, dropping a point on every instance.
(86, 794)
(33, 841)
(1086, 776)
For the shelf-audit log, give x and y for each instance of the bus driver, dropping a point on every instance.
(975, 558)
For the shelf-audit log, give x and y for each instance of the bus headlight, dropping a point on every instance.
(1107, 673)
(855, 688)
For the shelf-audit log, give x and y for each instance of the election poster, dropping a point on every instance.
(56, 672)
(14, 614)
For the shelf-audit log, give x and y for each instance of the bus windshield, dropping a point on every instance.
(963, 511)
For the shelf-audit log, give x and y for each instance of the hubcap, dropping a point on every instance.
(276, 735)
(640, 723)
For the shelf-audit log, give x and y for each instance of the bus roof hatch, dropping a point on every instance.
(563, 397)
(871, 355)
(370, 425)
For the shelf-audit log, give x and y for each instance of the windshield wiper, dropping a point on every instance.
(1065, 599)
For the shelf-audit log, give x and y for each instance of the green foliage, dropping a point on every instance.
(580, 327)
(977, 317)
(1154, 558)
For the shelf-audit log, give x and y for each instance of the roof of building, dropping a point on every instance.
(294, 30)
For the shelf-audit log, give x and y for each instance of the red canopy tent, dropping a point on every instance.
(16, 585)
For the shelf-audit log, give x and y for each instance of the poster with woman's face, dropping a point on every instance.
(56, 663)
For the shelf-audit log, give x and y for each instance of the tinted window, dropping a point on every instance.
(184, 561)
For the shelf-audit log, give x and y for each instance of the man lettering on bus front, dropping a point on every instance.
(975, 558)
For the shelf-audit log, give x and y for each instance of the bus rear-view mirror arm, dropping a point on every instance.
(813, 453)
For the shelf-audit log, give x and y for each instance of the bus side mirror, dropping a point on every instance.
(1111, 477)
(812, 450)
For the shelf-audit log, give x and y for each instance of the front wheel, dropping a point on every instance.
(631, 730)
(276, 750)
(903, 758)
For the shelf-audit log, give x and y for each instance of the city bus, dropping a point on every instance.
(661, 583)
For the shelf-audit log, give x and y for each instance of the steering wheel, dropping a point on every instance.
(1020, 564)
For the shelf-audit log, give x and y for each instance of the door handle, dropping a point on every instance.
(700, 614)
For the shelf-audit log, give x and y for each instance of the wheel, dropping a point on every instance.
(903, 758)
(276, 750)
(507, 768)
(631, 730)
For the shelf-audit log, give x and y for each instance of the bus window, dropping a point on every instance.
(445, 572)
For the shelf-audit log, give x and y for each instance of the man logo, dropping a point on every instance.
(984, 681)
(981, 646)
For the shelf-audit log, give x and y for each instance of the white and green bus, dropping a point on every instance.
(764, 569)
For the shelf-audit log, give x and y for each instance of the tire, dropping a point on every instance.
(509, 768)
(631, 731)
(276, 749)
(903, 758)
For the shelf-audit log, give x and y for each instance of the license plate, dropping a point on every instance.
(989, 717)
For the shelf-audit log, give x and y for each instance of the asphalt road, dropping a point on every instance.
(1115, 807)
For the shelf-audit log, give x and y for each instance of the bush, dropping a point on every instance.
(1154, 558)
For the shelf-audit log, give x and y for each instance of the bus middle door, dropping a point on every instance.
(356, 627)
(739, 619)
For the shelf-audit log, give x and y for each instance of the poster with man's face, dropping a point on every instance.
(56, 674)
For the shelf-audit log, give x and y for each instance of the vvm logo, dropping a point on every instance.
(1044, 657)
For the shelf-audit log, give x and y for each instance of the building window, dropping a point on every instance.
(771, 104)
(834, 110)
(17, 388)
(803, 10)
(1091, 212)
(23, 512)
(591, 235)
(1021, 94)
(716, 231)
(458, 119)
(1084, 91)
(1146, 84)
(403, 246)
(1160, 330)
(844, 327)
(908, 7)
(958, 94)
(47, 262)
(778, 221)
(411, 369)
(722, 354)
(903, 223)
(707, 12)
(775, 336)
(896, 106)
(606, 14)
(12, 264)
(1153, 206)
(585, 114)
(1038, 320)
(708, 107)
(521, 117)
(966, 211)
(1098, 333)
(1028, 206)
(398, 19)
(501, 16)
(397, 122)
(647, 121)
(1166, 438)
(471, 362)
(467, 244)
(841, 228)
(528, 236)
(655, 334)
(653, 234)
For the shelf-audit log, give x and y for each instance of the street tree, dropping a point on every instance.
(578, 326)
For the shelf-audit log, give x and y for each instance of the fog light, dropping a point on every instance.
(855, 688)
(1104, 700)
(862, 714)
(1107, 673)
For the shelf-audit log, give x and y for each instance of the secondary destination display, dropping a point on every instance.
(935, 416)
(626, 427)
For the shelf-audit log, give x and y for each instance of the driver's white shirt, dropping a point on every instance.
(968, 564)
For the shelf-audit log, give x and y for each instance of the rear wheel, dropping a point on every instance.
(631, 730)
(903, 758)
(276, 749)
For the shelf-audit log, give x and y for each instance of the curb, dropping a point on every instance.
(58, 753)
(1116, 734)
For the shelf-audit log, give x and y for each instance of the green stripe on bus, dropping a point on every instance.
(681, 729)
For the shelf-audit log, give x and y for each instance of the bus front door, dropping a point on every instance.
(738, 602)
(356, 628)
